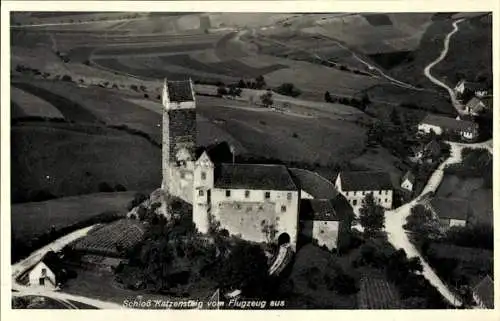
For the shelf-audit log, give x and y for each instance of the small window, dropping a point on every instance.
(289, 196)
(355, 202)
(203, 175)
(247, 194)
(44, 271)
(386, 200)
(346, 193)
(354, 193)
(228, 193)
(386, 192)
(283, 208)
(363, 193)
(201, 192)
(267, 195)
(42, 281)
(183, 175)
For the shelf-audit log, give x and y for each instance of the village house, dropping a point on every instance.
(483, 293)
(408, 181)
(446, 125)
(476, 106)
(450, 211)
(48, 273)
(326, 221)
(257, 202)
(356, 185)
(467, 89)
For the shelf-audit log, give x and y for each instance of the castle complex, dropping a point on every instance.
(253, 201)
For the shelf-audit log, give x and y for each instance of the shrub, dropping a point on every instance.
(288, 89)
(295, 135)
(138, 199)
(120, 188)
(345, 284)
(105, 187)
(134, 87)
(146, 96)
(66, 78)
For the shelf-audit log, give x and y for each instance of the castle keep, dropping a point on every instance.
(256, 202)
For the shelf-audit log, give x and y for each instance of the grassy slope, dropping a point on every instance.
(470, 53)
(77, 159)
(29, 220)
(32, 105)
(267, 134)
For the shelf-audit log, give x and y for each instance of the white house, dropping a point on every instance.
(470, 88)
(47, 273)
(407, 181)
(440, 125)
(356, 185)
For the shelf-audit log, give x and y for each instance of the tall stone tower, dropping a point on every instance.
(179, 139)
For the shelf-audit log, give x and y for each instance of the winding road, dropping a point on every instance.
(427, 71)
(396, 218)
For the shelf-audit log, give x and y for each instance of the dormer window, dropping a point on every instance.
(203, 175)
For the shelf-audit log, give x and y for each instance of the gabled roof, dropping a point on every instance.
(475, 105)
(472, 86)
(254, 176)
(54, 263)
(448, 123)
(484, 290)
(218, 152)
(318, 210)
(450, 208)
(365, 181)
(179, 91)
(314, 184)
(335, 209)
(408, 176)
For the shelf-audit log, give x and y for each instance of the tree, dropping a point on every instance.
(267, 98)
(221, 90)
(234, 91)
(328, 97)
(371, 216)
(242, 84)
(365, 100)
(105, 187)
(260, 82)
(344, 284)
(245, 269)
(288, 89)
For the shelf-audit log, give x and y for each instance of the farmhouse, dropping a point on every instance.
(446, 125)
(253, 201)
(475, 106)
(47, 273)
(356, 185)
(408, 181)
(327, 221)
(450, 211)
(483, 293)
(467, 89)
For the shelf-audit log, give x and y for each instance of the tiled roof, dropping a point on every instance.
(314, 184)
(335, 209)
(254, 176)
(448, 122)
(409, 176)
(180, 91)
(218, 153)
(475, 105)
(484, 290)
(365, 181)
(318, 210)
(450, 208)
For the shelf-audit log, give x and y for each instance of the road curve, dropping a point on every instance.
(427, 71)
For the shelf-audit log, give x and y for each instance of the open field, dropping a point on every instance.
(105, 106)
(50, 158)
(324, 141)
(473, 190)
(32, 105)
